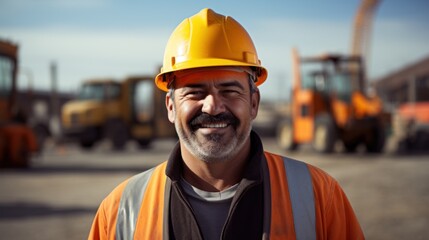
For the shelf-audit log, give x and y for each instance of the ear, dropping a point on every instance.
(256, 97)
(169, 104)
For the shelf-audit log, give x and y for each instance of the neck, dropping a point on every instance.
(215, 176)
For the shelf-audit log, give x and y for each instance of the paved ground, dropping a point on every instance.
(58, 196)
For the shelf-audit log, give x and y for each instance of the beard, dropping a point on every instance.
(212, 148)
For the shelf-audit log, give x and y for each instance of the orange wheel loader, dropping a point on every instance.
(329, 103)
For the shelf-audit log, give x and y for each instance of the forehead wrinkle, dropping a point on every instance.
(193, 85)
(231, 83)
(214, 83)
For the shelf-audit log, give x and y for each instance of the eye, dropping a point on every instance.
(231, 92)
(194, 94)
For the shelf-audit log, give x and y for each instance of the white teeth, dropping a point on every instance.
(216, 125)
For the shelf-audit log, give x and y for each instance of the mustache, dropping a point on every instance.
(208, 119)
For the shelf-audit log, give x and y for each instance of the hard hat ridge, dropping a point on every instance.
(209, 17)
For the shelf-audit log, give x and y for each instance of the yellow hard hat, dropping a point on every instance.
(209, 39)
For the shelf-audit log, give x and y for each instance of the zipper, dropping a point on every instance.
(234, 206)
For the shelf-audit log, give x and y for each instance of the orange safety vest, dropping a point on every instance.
(136, 208)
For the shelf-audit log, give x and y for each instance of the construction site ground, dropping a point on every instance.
(58, 196)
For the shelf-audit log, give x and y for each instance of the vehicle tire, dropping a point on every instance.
(285, 136)
(117, 134)
(422, 139)
(15, 151)
(23, 160)
(144, 143)
(376, 139)
(86, 144)
(3, 150)
(325, 136)
(350, 146)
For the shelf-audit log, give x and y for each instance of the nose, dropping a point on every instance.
(213, 105)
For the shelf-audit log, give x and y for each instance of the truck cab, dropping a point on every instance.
(119, 111)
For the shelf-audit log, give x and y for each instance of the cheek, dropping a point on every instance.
(241, 109)
(186, 111)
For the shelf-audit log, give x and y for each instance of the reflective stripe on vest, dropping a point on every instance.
(130, 204)
(300, 193)
(302, 198)
(145, 189)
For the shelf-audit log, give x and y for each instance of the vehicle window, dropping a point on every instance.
(422, 88)
(341, 85)
(143, 101)
(307, 75)
(91, 92)
(6, 75)
(113, 91)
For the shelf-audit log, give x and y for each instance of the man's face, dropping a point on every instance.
(212, 110)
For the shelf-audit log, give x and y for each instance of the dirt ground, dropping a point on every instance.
(57, 197)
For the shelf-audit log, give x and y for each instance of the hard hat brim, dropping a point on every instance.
(162, 83)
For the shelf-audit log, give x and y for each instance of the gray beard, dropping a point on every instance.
(217, 149)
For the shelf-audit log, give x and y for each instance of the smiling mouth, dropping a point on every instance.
(206, 121)
(213, 125)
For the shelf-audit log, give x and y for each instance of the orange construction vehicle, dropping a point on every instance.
(329, 103)
(17, 140)
(330, 100)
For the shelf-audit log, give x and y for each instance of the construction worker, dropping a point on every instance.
(218, 182)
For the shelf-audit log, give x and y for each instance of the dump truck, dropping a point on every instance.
(329, 102)
(17, 140)
(119, 111)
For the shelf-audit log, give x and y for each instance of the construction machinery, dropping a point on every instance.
(362, 28)
(118, 111)
(17, 140)
(329, 103)
(330, 100)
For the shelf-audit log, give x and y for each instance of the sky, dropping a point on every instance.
(111, 38)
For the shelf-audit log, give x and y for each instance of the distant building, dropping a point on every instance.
(409, 84)
(41, 109)
(41, 102)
